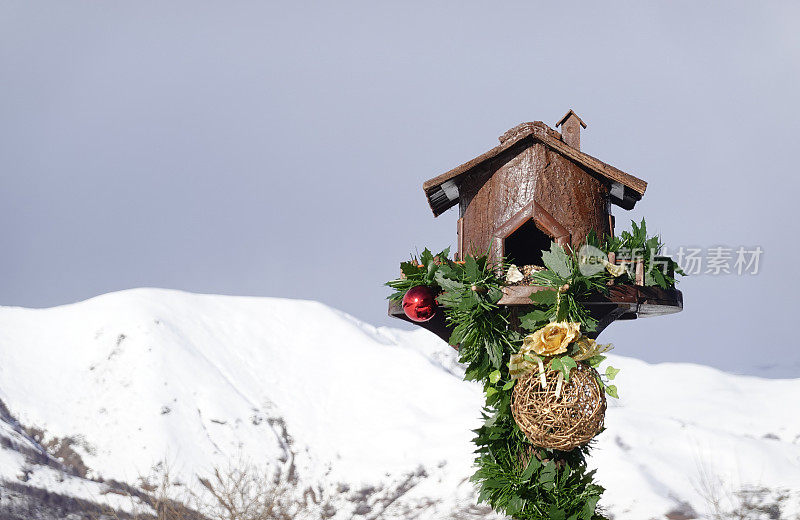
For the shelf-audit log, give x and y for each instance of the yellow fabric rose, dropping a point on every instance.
(553, 338)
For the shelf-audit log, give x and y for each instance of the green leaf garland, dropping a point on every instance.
(516, 478)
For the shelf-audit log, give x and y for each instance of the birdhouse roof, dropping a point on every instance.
(443, 193)
(566, 116)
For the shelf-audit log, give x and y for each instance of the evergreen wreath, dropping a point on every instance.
(514, 476)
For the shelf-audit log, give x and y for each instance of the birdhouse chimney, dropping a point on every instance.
(571, 129)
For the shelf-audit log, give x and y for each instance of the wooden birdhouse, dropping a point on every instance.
(534, 187)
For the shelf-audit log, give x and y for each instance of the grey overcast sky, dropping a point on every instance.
(278, 149)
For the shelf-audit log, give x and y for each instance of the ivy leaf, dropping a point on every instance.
(611, 372)
(491, 391)
(568, 364)
(509, 385)
(563, 364)
(600, 382)
(596, 360)
(494, 377)
(612, 391)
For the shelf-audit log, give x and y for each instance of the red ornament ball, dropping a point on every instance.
(419, 303)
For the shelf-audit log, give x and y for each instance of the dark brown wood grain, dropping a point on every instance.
(571, 129)
(530, 182)
(572, 195)
(528, 133)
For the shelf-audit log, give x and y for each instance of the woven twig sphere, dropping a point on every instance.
(564, 422)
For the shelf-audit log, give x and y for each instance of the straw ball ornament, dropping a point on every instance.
(559, 421)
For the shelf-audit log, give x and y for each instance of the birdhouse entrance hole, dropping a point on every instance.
(525, 245)
(525, 235)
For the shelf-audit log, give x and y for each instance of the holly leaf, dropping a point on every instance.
(426, 257)
(659, 279)
(590, 324)
(530, 469)
(494, 295)
(548, 474)
(468, 301)
(546, 298)
(446, 283)
(457, 336)
(534, 319)
(431, 274)
(447, 271)
(589, 508)
(471, 269)
(515, 505)
(495, 351)
(557, 261)
(410, 269)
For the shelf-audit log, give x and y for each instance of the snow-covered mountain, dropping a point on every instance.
(378, 420)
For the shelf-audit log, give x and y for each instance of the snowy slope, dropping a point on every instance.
(26, 463)
(146, 375)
